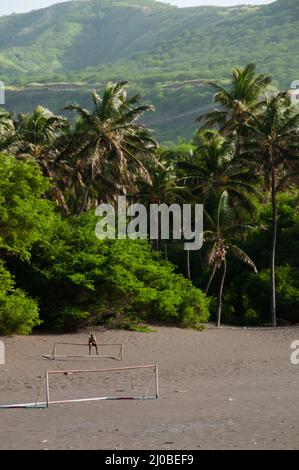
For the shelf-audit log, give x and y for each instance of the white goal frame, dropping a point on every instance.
(49, 402)
(53, 356)
(154, 367)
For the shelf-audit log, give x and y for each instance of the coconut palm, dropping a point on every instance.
(36, 133)
(213, 169)
(224, 231)
(35, 136)
(108, 149)
(162, 189)
(273, 143)
(243, 95)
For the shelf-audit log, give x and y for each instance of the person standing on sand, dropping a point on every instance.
(92, 342)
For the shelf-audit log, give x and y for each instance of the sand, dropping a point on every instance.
(219, 389)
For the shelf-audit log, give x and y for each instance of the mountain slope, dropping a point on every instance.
(165, 52)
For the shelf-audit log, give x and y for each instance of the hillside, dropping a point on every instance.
(167, 53)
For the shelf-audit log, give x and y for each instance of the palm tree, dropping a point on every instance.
(35, 136)
(109, 150)
(163, 186)
(224, 230)
(243, 95)
(273, 143)
(213, 169)
(161, 189)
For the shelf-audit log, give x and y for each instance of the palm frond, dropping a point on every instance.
(240, 254)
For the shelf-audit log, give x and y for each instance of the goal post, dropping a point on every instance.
(63, 350)
(123, 383)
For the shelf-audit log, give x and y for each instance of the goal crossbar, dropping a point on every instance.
(78, 371)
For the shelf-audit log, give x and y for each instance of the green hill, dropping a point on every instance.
(167, 53)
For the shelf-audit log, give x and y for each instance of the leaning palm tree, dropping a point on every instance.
(108, 150)
(243, 95)
(273, 143)
(35, 137)
(224, 231)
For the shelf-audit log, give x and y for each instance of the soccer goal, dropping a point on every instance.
(80, 350)
(90, 385)
(124, 383)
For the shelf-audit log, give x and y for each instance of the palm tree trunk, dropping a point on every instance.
(188, 265)
(219, 310)
(165, 250)
(238, 143)
(211, 279)
(84, 202)
(273, 249)
(55, 190)
(156, 244)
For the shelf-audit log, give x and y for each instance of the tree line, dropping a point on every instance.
(242, 165)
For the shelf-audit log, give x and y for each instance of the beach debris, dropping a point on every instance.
(44, 441)
(231, 399)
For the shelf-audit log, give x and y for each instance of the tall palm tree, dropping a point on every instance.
(224, 231)
(243, 95)
(273, 143)
(35, 136)
(109, 150)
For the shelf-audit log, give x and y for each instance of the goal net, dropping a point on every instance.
(126, 383)
(79, 350)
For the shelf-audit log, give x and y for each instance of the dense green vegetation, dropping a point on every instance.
(75, 278)
(165, 52)
(242, 164)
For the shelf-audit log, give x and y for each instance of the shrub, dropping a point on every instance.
(68, 319)
(18, 313)
(91, 280)
(251, 317)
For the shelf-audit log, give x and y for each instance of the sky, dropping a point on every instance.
(20, 6)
